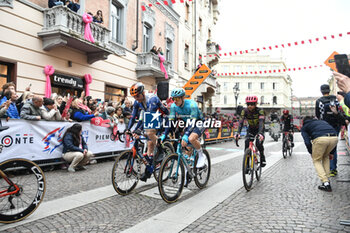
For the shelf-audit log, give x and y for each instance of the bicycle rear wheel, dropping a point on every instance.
(202, 175)
(257, 165)
(162, 153)
(248, 169)
(125, 173)
(171, 178)
(30, 180)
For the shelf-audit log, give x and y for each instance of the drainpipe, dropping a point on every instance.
(134, 47)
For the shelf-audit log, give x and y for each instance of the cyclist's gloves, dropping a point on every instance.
(237, 135)
(185, 138)
(261, 137)
(162, 137)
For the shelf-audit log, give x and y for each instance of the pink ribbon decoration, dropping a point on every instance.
(88, 80)
(162, 68)
(87, 33)
(48, 70)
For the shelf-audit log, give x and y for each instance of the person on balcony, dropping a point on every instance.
(98, 18)
(154, 50)
(160, 51)
(73, 5)
(53, 3)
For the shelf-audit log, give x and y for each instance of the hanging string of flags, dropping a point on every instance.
(269, 71)
(285, 45)
(165, 2)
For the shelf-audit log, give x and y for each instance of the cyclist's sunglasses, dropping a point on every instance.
(251, 104)
(176, 98)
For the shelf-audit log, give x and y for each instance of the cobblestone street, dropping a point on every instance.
(286, 199)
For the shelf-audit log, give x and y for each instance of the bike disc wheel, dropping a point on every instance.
(30, 180)
(125, 174)
(248, 170)
(162, 153)
(257, 166)
(171, 178)
(202, 175)
(284, 149)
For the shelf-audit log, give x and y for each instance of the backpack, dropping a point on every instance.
(325, 111)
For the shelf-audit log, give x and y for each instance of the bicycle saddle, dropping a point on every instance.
(2, 128)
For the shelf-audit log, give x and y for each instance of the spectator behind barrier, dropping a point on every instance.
(75, 149)
(11, 86)
(4, 107)
(31, 109)
(110, 116)
(119, 115)
(127, 106)
(79, 114)
(343, 83)
(27, 95)
(12, 111)
(49, 111)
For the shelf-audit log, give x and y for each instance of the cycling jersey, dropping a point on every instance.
(288, 122)
(255, 119)
(151, 104)
(189, 110)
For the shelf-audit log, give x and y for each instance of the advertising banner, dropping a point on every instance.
(40, 140)
(226, 132)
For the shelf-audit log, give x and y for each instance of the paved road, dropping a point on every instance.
(286, 199)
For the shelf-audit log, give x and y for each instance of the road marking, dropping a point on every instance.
(77, 200)
(186, 212)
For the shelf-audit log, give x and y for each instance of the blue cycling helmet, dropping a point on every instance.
(178, 92)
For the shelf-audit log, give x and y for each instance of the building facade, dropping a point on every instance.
(304, 106)
(196, 46)
(33, 36)
(253, 74)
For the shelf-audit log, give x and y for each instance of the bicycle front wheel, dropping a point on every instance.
(257, 165)
(124, 173)
(22, 186)
(171, 178)
(248, 169)
(284, 148)
(202, 174)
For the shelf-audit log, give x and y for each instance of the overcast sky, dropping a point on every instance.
(247, 24)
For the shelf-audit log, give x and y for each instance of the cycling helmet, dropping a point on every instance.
(251, 99)
(285, 112)
(136, 89)
(178, 92)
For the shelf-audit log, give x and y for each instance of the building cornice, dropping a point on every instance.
(167, 11)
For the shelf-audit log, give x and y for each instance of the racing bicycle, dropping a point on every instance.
(251, 163)
(22, 188)
(181, 166)
(286, 145)
(130, 165)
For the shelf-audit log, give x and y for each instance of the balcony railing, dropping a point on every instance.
(148, 65)
(63, 27)
(213, 54)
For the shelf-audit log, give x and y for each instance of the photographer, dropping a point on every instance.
(327, 108)
(343, 83)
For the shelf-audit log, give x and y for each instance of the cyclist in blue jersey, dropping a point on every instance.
(186, 109)
(145, 103)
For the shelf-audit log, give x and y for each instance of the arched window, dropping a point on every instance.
(274, 100)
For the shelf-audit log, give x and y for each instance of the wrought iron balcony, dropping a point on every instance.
(63, 27)
(148, 65)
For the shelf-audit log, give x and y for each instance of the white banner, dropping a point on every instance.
(39, 140)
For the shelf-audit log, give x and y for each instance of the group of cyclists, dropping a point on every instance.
(186, 109)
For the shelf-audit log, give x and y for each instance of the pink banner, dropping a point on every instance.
(88, 80)
(87, 34)
(162, 68)
(48, 70)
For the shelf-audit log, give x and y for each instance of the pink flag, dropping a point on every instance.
(48, 70)
(87, 33)
(162, 68)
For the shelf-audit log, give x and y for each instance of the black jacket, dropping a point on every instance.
(313, 129)
(323, 111)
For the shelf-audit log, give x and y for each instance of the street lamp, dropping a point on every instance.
(236, 93)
